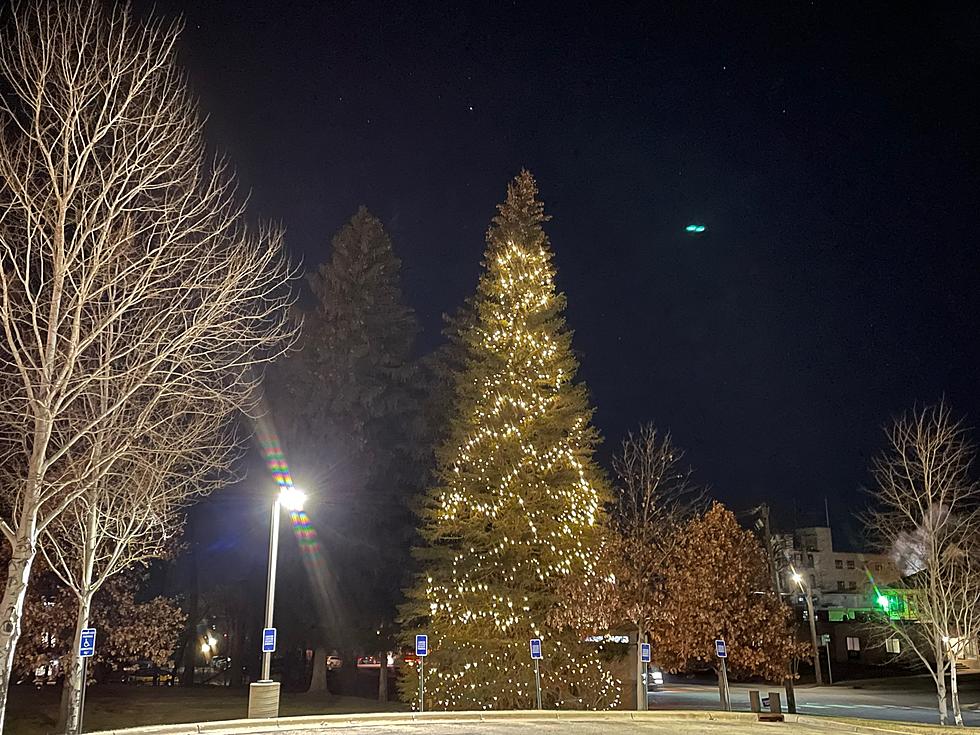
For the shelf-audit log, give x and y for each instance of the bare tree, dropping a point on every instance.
(927, 515)
(654, 497)
(131, 513)
(123, 262)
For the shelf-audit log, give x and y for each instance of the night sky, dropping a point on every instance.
(831, 149)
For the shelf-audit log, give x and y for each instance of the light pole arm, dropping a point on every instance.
(270, 590)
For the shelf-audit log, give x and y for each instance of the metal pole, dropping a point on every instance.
(640, 683)
(421, 683)
(537, 679)
(81, 696)
(270, 590)
(790, 695)
(813, 634)
(726, 701)
(830, 673)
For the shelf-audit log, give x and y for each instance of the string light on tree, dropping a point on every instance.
(518, 502)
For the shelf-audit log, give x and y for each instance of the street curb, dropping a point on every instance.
(333, 722)
(878, 727)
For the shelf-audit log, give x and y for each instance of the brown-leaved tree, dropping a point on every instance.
(716, 584)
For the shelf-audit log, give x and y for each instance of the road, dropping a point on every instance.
(911, 699)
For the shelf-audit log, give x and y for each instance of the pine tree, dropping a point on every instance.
(518, 501)
(346, 407)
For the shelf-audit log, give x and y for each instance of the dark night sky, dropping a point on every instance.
(831, 150)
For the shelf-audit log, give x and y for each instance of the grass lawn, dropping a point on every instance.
(32, 712)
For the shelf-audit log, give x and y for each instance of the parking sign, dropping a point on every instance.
(421, 645)
(721, 650)
(645, 653)
(268, 640)
(86, 644)
(536, 648)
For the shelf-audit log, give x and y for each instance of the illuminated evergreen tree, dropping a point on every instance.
(518, 502)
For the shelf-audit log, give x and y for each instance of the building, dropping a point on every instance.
(842, 582)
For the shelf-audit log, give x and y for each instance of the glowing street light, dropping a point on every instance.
(292, 499)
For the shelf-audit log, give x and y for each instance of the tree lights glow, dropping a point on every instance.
(518, 499)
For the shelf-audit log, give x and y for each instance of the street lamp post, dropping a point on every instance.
(798, 578)
(263, 695)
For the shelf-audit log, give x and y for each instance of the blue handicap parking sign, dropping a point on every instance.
(268, 640)
(421, 645)
(536, 648)
(645, 653)
(86, 645)
(721, 650)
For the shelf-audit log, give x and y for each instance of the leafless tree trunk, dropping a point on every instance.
(318, 680)
(926, 514)
(383, 676)
(123, 262)
(131, 513)
(954, 690)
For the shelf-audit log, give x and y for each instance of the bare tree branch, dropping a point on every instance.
(926, 514)
(131, 292)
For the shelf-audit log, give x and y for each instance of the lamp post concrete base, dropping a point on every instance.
(263, 699)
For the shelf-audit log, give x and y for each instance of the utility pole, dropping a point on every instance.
(805, 586)
(770, 551)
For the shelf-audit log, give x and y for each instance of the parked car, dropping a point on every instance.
(150, 674)
(334, 662)
(654, 678)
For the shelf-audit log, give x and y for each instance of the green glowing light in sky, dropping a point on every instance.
(695, 228)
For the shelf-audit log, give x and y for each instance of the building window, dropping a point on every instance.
(809, 560)
(854, 643)
(839, 563)
(813, 582)
(892, 645)
(850, 564)
(852, 585)
(840, 585)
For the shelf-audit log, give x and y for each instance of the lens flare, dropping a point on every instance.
(275, 460)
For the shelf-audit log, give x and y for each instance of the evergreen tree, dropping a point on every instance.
(345, 405)
(518, 501)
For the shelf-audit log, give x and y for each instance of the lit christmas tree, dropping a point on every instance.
(518, 502)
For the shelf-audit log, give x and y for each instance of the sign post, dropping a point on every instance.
(642, 672)
(421, 650)
(86, 649)
(825, 642)
(536, 656)
(721, 651)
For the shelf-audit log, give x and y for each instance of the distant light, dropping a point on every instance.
(292, 498)
(797, 577)
(883, 602)
(205, 648)
(695, 228)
